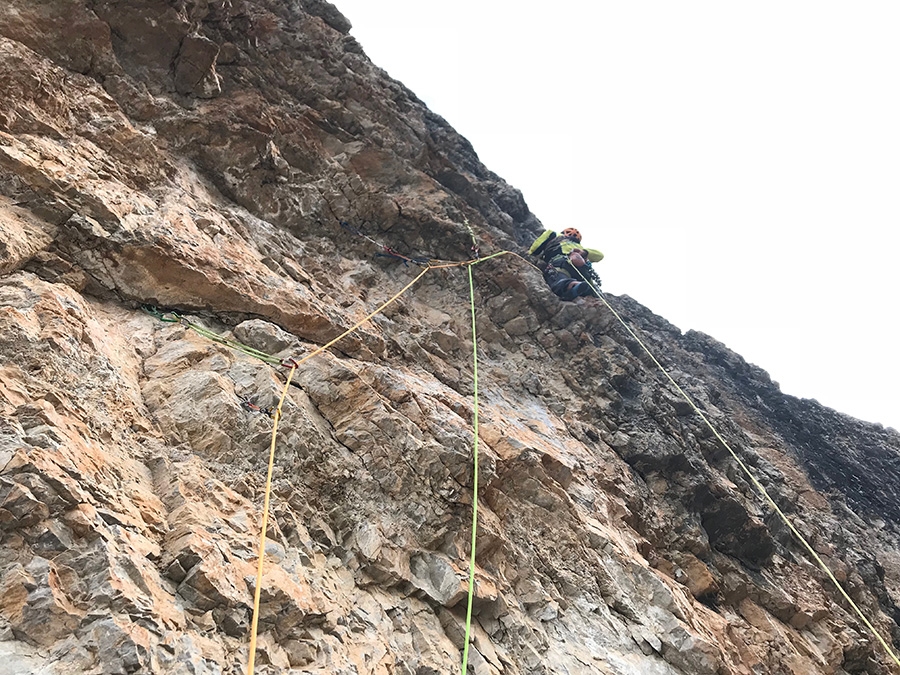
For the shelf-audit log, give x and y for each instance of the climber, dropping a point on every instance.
(566, 263)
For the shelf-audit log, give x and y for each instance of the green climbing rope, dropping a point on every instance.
(175, 317)
(465, 661)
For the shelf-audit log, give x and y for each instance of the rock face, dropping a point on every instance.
(199, 155)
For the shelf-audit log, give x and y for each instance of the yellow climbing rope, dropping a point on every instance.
(759, 486)
(468, 263)
(254, 624)
(261, 556)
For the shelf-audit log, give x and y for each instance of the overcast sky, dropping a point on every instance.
(738, 163)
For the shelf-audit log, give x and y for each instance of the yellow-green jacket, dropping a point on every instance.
(555, 250)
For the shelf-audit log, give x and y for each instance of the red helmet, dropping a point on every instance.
(572, 233)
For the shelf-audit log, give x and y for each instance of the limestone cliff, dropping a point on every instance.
(199, 155)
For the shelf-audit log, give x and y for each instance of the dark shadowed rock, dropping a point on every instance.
(195, 67)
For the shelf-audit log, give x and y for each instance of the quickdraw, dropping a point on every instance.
(248, 404)
(168, 317)
(386, 251)
(475, 252)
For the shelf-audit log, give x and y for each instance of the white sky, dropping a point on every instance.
(738, 163)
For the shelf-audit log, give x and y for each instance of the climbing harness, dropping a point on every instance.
(759, 486)
(554, 253)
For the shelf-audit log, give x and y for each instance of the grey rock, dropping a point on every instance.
(264, 336)
(195, 69)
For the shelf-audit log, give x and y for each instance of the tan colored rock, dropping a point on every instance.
(36, 605)
(22, 236)
(696, 576)
(437, 578)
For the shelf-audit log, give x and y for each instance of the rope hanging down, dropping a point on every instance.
(268, 489)
(471, 594)
(759, 486)
(261, 555)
